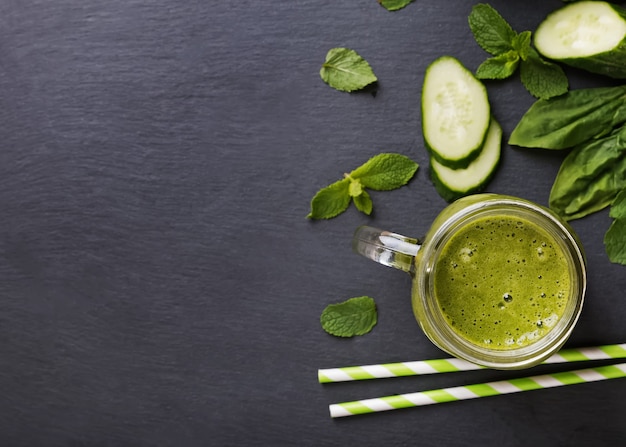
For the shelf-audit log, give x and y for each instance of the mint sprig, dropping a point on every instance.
(511, 50)
(383, 172)
(615, 237)
(345, 70)
(356, 316)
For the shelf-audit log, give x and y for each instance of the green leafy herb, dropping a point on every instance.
(382, 172)
(356, 316)
(618, 208)
(499, 67)
(331, 201)
(615, 242)
(385, 172)
(521, 44)
(363, 203)
(571, 119)
(541, 78)
(491, 31)
(346, 70)
(394, 5)
(615, 237)
(591, 176)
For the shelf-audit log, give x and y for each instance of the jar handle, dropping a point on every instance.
(384, 247)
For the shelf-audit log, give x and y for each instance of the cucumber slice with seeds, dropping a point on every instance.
(455, 113)
(590, 35)
(452, 184)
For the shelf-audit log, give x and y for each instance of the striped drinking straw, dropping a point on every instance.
(477, 390)
(402, 369)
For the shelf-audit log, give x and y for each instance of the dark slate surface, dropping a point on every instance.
(159, 283)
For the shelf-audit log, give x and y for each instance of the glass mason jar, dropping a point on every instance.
(533, 282)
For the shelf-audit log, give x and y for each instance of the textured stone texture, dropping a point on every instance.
(159, 283)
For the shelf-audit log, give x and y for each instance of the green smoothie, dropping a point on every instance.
(502, 282)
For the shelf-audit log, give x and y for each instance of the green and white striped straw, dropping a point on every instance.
(442, 395)
(402, 369)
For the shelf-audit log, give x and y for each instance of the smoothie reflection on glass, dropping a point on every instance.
(497, 280)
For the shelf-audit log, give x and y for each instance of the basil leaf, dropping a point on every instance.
(346, 70)
(385, 171)
(571, 119)
(590, 176)
(363, 202)
(498, 67)
(356, 316)
(615, 242)
(491, 31)
(541, 78)
(330, 201)
(618, 208)
(394, 5)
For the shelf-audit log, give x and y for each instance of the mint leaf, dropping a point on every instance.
(544, 80)
(615, 241)
(363, 202)
(385, 172)
(521, 44)
(491, 31)
(356, 316)
(618, 208)
(499, 67)
(346, 70)
(394, 5)
(330, 201)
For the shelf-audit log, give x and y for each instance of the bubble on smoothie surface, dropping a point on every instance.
(527, 337)
(551, 320)
(466, 254)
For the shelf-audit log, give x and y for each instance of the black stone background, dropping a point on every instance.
(159, 282)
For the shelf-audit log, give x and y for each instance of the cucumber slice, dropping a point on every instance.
(590, 35)
(455, 113)
(452, 184)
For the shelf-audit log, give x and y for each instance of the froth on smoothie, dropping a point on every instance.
(502, 282)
